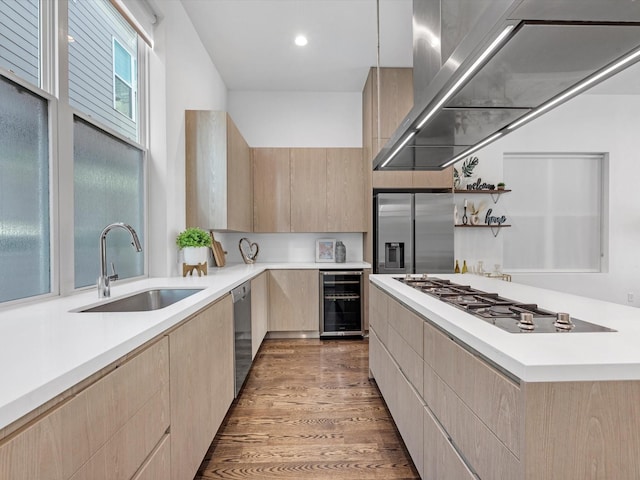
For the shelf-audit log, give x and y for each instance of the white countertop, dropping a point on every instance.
(537, 357)
(46, 348)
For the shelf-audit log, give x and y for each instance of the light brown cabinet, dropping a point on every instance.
(309, 190)
(271, 190)
(346, 211)
(106, 431)
(259, 311)
(202, 389)
(294, 303)
(218, 173)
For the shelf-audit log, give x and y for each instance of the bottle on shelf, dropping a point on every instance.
(457, 269)
(464, 266)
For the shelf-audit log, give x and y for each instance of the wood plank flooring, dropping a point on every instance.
(308, 410)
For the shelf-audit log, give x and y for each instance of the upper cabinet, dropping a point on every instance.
(218, 173)
(271, 190)
(308, 190)
(396, 100)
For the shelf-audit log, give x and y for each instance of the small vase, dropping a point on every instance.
(341, 252)
(474, 219)
(195, 255)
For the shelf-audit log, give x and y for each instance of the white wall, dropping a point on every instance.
(182, 78)
(593, 124)
(298, 119)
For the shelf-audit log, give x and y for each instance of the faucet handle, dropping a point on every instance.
(114, 275)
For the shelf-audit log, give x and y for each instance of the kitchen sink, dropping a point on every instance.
(145, 301)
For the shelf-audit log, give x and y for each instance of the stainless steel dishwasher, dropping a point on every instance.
(242, 331)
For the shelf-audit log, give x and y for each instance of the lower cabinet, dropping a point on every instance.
(441, 461)
(455, 413)
(294, 300)
(106, 431)
(158, 467)
(202, 376)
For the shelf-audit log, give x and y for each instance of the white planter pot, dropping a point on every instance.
(195, 255)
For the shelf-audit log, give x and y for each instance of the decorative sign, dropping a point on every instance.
(478, 185)
(491, 220)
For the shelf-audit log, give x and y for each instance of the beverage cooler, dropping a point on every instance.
(341, 303)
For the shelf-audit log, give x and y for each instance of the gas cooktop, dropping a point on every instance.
(507, 314)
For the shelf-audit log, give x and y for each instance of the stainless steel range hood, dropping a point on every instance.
(518, 60)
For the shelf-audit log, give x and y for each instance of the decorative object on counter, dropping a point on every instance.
(194, 242)
(218, 252)
(480, 269)
(501, 186)
(491, 220)
(464, 215)
(341, 252)
(464, 267)
(467, 171)
(457, 269)
(201, 268)
(248, 250)
(325, 250)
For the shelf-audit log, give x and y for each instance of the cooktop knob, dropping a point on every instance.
(526, 322)
(563, 321)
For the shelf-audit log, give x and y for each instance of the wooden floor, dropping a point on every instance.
(308, 410)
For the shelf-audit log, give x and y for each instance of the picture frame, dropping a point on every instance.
(326, 250)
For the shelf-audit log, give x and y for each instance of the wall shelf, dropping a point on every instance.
(495, 229)
(495, 194)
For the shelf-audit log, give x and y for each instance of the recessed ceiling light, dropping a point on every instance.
(301, 40)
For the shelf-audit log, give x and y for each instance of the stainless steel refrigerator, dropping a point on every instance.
(413, 233)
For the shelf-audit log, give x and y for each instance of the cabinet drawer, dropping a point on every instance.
(383, 369)
(408, 360)
(441, 461)
(482, 449)
(125, 452)
(494, 398)
(407, 324)
(378, 312)
(61, 442)
(408, 417)
(158, 466)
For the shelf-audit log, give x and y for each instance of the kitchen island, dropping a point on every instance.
(506, 405)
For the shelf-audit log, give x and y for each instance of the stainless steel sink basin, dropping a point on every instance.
(145, 301)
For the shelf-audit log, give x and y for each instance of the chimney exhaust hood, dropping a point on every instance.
(519, 60)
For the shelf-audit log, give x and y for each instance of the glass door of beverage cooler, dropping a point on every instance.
(340, 303)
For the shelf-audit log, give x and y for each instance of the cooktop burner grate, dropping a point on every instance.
(502, 312)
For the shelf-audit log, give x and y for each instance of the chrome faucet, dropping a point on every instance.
(104, 280)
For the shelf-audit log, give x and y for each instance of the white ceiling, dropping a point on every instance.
(251, 42)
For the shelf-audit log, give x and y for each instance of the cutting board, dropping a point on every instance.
(218, 251)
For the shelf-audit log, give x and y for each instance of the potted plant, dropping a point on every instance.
(501, 186)
(194, 243)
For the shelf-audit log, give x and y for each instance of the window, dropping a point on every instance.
(25, 257)
(555, 209)
(123, 75)
(20, 39)
(57, 170)
(108, 187)
(102, 66)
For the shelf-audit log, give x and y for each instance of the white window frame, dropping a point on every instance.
(134, 90)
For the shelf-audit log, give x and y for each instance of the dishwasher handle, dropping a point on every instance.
(241, 291)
